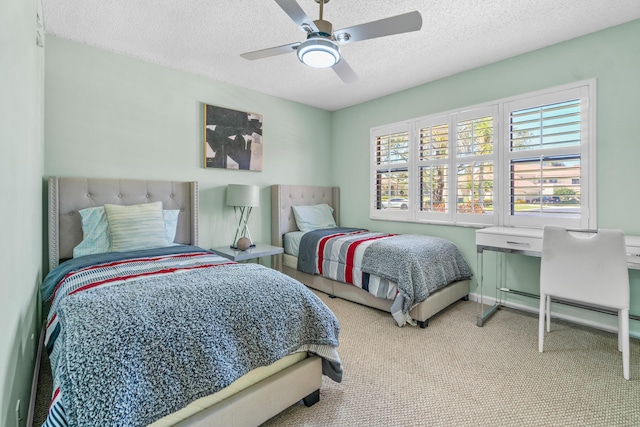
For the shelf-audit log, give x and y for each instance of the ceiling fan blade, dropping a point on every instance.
(295, 12)
(272, 51)
(345, 72)
(398, 24)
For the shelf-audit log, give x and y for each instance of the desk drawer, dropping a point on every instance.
(633, 255)
(516, 243)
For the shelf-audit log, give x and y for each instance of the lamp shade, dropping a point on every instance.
(243, 195)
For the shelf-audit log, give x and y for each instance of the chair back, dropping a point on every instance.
(586, 267)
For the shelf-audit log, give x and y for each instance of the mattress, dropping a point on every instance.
(292, 243)
(290, 261)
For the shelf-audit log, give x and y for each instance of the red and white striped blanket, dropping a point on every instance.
(404, 268)
(119, 271)
(338, 255)
(136, 336)
(75, 278)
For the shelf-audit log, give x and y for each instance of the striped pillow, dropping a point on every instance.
(96, 238)
(135, 227)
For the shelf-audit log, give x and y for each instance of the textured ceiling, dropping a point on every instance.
(207, 38)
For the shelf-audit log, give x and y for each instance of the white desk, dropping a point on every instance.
(526, 241)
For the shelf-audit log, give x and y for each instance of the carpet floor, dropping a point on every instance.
(454, 373)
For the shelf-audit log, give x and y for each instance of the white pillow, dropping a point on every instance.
(135, 227)
(314, 217)
(171, 223)
(95, 233)
(95, 230)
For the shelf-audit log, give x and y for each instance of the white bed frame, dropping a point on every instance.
(250, 406)
(283, 197)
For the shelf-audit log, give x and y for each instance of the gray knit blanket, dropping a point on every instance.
(132, 353)
(418, 264)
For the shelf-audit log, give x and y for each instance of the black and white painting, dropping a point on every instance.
(232, 139)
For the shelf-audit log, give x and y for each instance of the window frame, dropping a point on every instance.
(585, 92)
(388, 214)
(500, 110)
(432, 217)
(470, 114)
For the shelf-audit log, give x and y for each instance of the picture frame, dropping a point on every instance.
(232, 139)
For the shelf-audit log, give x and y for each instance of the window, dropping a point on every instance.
(547, 153)
(433, 168)
(475, 163)
(522, 161)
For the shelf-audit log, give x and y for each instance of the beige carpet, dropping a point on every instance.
(454, 373)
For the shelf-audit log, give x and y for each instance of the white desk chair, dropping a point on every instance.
(587, 268)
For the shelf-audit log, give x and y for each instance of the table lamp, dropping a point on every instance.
(243, 198)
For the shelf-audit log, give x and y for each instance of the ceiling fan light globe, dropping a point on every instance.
(319, 59)
(319, 53)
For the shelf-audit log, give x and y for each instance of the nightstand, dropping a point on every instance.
(256, 252)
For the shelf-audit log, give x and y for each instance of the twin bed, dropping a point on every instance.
(148, 333)
(453, 286)
(173, 335)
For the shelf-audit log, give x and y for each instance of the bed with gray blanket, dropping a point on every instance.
(413, 277)
(173, 335)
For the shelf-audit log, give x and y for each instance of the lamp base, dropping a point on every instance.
(253, 245)
(244, 243)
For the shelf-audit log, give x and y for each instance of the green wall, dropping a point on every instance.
(110, 115)
(611, 56)
(113, 116)
(21, 168)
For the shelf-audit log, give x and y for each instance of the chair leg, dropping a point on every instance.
(541, 318)
(620, 339)
(623, 332)
(548, 301)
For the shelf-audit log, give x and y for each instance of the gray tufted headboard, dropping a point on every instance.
(69, 195)
(283, 197)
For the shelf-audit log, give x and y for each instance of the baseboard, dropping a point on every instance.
(34, 381)
(577, 315)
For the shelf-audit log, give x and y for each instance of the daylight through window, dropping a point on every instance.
(523, 161)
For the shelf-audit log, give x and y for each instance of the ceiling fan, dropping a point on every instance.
(321, 49)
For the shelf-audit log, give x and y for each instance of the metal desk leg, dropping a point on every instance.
(489, 312)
